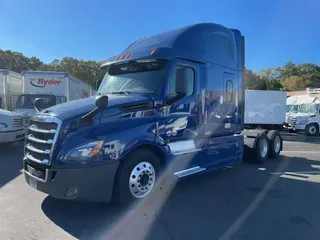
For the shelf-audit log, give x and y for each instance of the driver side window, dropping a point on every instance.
(177, 81)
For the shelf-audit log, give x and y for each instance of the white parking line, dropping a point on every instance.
(298, 172)
(311, 151)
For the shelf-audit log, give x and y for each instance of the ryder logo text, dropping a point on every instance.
(40, 82)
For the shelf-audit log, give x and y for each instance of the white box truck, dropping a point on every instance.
(53, 87)
(10, 88)
(11, 128)
(265, 109)
(11, 123)
(306, 116)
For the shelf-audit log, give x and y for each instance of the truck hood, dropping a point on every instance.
(26, 111)
(81, 107)
(9, 113)
(299, 115)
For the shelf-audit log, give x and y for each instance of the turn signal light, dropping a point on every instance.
(96, 148)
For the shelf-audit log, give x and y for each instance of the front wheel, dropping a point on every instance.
(312, 129)
(136, 176)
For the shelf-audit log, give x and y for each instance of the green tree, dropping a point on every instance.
(289, 70)
(310, 71)
(274, 84)
(16, 61)
(254, 81)
(296, 83)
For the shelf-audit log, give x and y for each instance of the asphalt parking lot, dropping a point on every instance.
(276, 200)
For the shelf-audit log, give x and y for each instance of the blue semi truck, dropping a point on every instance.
(172, 102)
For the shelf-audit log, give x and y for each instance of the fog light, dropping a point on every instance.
(71, 192)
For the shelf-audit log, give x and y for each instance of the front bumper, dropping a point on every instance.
(295, 127)
(12, 136)
(92, 184)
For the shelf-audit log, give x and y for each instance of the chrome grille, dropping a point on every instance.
(26, 120)
(42, 134)
(292, 121)
(17, 122)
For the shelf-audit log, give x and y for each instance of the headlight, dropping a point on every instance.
(82, 154)
(3, 125)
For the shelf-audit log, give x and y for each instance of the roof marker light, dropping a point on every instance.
(128, 55)
(153, 52)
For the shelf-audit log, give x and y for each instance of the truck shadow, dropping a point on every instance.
(299, 137)
(251, 201)
(11, 162)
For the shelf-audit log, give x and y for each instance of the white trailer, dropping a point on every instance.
(53, 87)
(86, 90)
(306, 116)
(265, 109)
(10, 88)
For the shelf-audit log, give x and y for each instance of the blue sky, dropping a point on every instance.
(276, 30)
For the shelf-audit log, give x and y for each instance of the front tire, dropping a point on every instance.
(312, 129)
(136, 177)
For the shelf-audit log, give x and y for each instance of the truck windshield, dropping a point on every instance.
(292, 108)
(133, 77)
(308, 108)
(27, 100)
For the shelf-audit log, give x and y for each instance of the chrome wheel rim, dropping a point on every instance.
(142, 179)
(277, 144)
(263, 148)
(312, 130)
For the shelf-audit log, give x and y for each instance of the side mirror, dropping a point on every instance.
(101, 101)
(98, 83)
(38, 102)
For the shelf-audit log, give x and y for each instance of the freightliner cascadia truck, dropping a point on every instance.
(172, 102)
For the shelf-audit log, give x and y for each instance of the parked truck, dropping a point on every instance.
(265, 109)
(306, 116)
(10, 88)
(11, 128)
(52, 87)
(11, 124)
(172, 102)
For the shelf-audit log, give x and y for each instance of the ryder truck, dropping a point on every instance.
(173, 101)
(53, 87)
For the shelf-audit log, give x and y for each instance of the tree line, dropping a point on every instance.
(290, 77)
(88, 71)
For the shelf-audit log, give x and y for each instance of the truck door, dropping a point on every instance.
(229, 103)
(218, 143)
(179, 122)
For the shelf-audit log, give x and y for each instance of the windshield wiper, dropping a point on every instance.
(120, 92)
